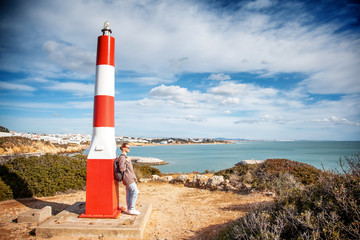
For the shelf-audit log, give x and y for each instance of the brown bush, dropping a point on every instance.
(327, 209)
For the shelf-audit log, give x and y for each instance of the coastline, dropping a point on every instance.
(137, 144)
(147, 161)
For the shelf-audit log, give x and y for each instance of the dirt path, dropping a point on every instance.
(178, 212)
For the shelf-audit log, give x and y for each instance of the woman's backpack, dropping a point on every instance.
(118, 175)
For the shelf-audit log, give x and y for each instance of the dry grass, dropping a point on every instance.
(19, 145)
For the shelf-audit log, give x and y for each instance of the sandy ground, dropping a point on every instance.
(178, 212)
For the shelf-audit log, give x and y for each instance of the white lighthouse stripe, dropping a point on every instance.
(105, 80)
(103, 145)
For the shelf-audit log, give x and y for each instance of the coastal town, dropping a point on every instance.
(85, 139)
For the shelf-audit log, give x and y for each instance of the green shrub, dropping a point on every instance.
(45, 175)
(144, 171)
(327, 209)
(5, 191)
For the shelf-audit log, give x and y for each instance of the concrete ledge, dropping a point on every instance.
(35, 215)
(67, 223)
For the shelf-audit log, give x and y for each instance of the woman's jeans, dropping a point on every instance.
(131, 195)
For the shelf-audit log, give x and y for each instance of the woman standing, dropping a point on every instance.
(129, 179)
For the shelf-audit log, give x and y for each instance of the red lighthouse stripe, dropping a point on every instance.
(106, 50)
(104, 111)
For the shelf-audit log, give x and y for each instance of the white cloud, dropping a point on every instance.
(178, 95)
(219, 77)
(242, 90)
(48, 106)
(259, 4)
(160, 40)
(49, 125)
(149, 81)
(78, 89)
(16, 87)
(70, 57)
(169, 91)
(230, 100)
(264, 119)
(337, 120)
(162, 37)
(230, 89)
(194, 118)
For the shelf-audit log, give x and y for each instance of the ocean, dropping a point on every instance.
(187, 158)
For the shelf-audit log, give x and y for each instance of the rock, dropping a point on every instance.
(200, 181)
(214, 182)
(234, 183)
(145, 179)
(182, 179)
(230, 188)
(252, 161)
(166, 179)
(155, 177)
(241, 185)
(188, 183)
(148, 161)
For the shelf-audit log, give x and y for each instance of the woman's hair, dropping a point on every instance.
(123, 145)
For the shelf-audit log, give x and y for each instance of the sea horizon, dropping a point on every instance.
(214, 157)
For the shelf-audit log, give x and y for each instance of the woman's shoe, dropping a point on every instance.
(133, 212)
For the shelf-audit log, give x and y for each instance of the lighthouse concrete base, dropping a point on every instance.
(68, 224)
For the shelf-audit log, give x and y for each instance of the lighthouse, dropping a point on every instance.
(102, 191)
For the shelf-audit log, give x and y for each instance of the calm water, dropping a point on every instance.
(187, 158)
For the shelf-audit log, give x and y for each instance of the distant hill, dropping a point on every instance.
(231, 139)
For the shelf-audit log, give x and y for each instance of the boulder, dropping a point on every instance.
(166, 179)
(188, 183)
(145, 180)
(200, 181)
(155, 177)
(182, 179)
(215, 182)
(252, 161)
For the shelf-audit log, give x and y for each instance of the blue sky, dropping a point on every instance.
(261, 69)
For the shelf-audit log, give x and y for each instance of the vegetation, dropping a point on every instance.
(4, 129)
(144, 171)
(273, 174)
(18, 145)
(49, 174)
(5, 191)
(9, 142)
(325, 209)
(42, 176)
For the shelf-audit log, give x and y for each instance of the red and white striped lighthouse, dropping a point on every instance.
(102, 192)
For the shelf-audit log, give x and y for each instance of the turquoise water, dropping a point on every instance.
(187, 158)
